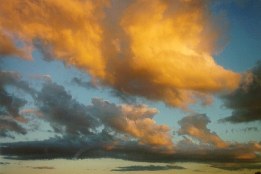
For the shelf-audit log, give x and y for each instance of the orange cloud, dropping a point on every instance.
(195, 126)
(70, 28)
(135, 121)
(160, 50)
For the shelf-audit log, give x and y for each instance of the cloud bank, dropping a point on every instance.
(125, 131)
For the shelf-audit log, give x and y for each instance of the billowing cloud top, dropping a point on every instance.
(136, 47)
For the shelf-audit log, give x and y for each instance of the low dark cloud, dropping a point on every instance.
(9, 125)
(4, 163)
(10, 105)
(105, 145)
(245, 101)
(147, 168)
(43, 167)
(236, 166)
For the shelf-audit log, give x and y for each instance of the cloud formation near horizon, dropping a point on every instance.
(69, 118)
(126, 131)
(166, 45)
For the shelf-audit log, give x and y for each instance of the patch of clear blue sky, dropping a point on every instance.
(243, 48)
(241, 52)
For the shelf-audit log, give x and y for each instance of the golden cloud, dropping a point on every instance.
(160, 50)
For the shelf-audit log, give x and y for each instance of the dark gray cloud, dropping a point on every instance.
(65, 114)
(14, 79)
(10, 104)
(9, 125)
(245, 101)
(147, 168)
(124, 97)
(84, 84)
(42, 167)
(237, 166)
(103, 145)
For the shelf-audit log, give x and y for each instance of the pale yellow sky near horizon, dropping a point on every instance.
(103, 166)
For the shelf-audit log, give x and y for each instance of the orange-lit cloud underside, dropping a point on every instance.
(160, 50)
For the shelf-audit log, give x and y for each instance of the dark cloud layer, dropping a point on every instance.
(97, 147)
(236, 166)
(245, 101)
(147, 168)
(43, 167)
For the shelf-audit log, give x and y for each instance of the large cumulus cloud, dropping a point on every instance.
(164, 45)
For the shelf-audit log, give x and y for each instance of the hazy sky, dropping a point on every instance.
(152, 81)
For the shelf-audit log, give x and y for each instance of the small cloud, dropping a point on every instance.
(4, 163)
(85, 84)
(147, 168)
(41, 167)
(236, 166)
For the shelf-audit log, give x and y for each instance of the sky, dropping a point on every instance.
(137, 85)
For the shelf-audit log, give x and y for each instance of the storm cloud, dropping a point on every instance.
(245, 101)
(65, 114)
